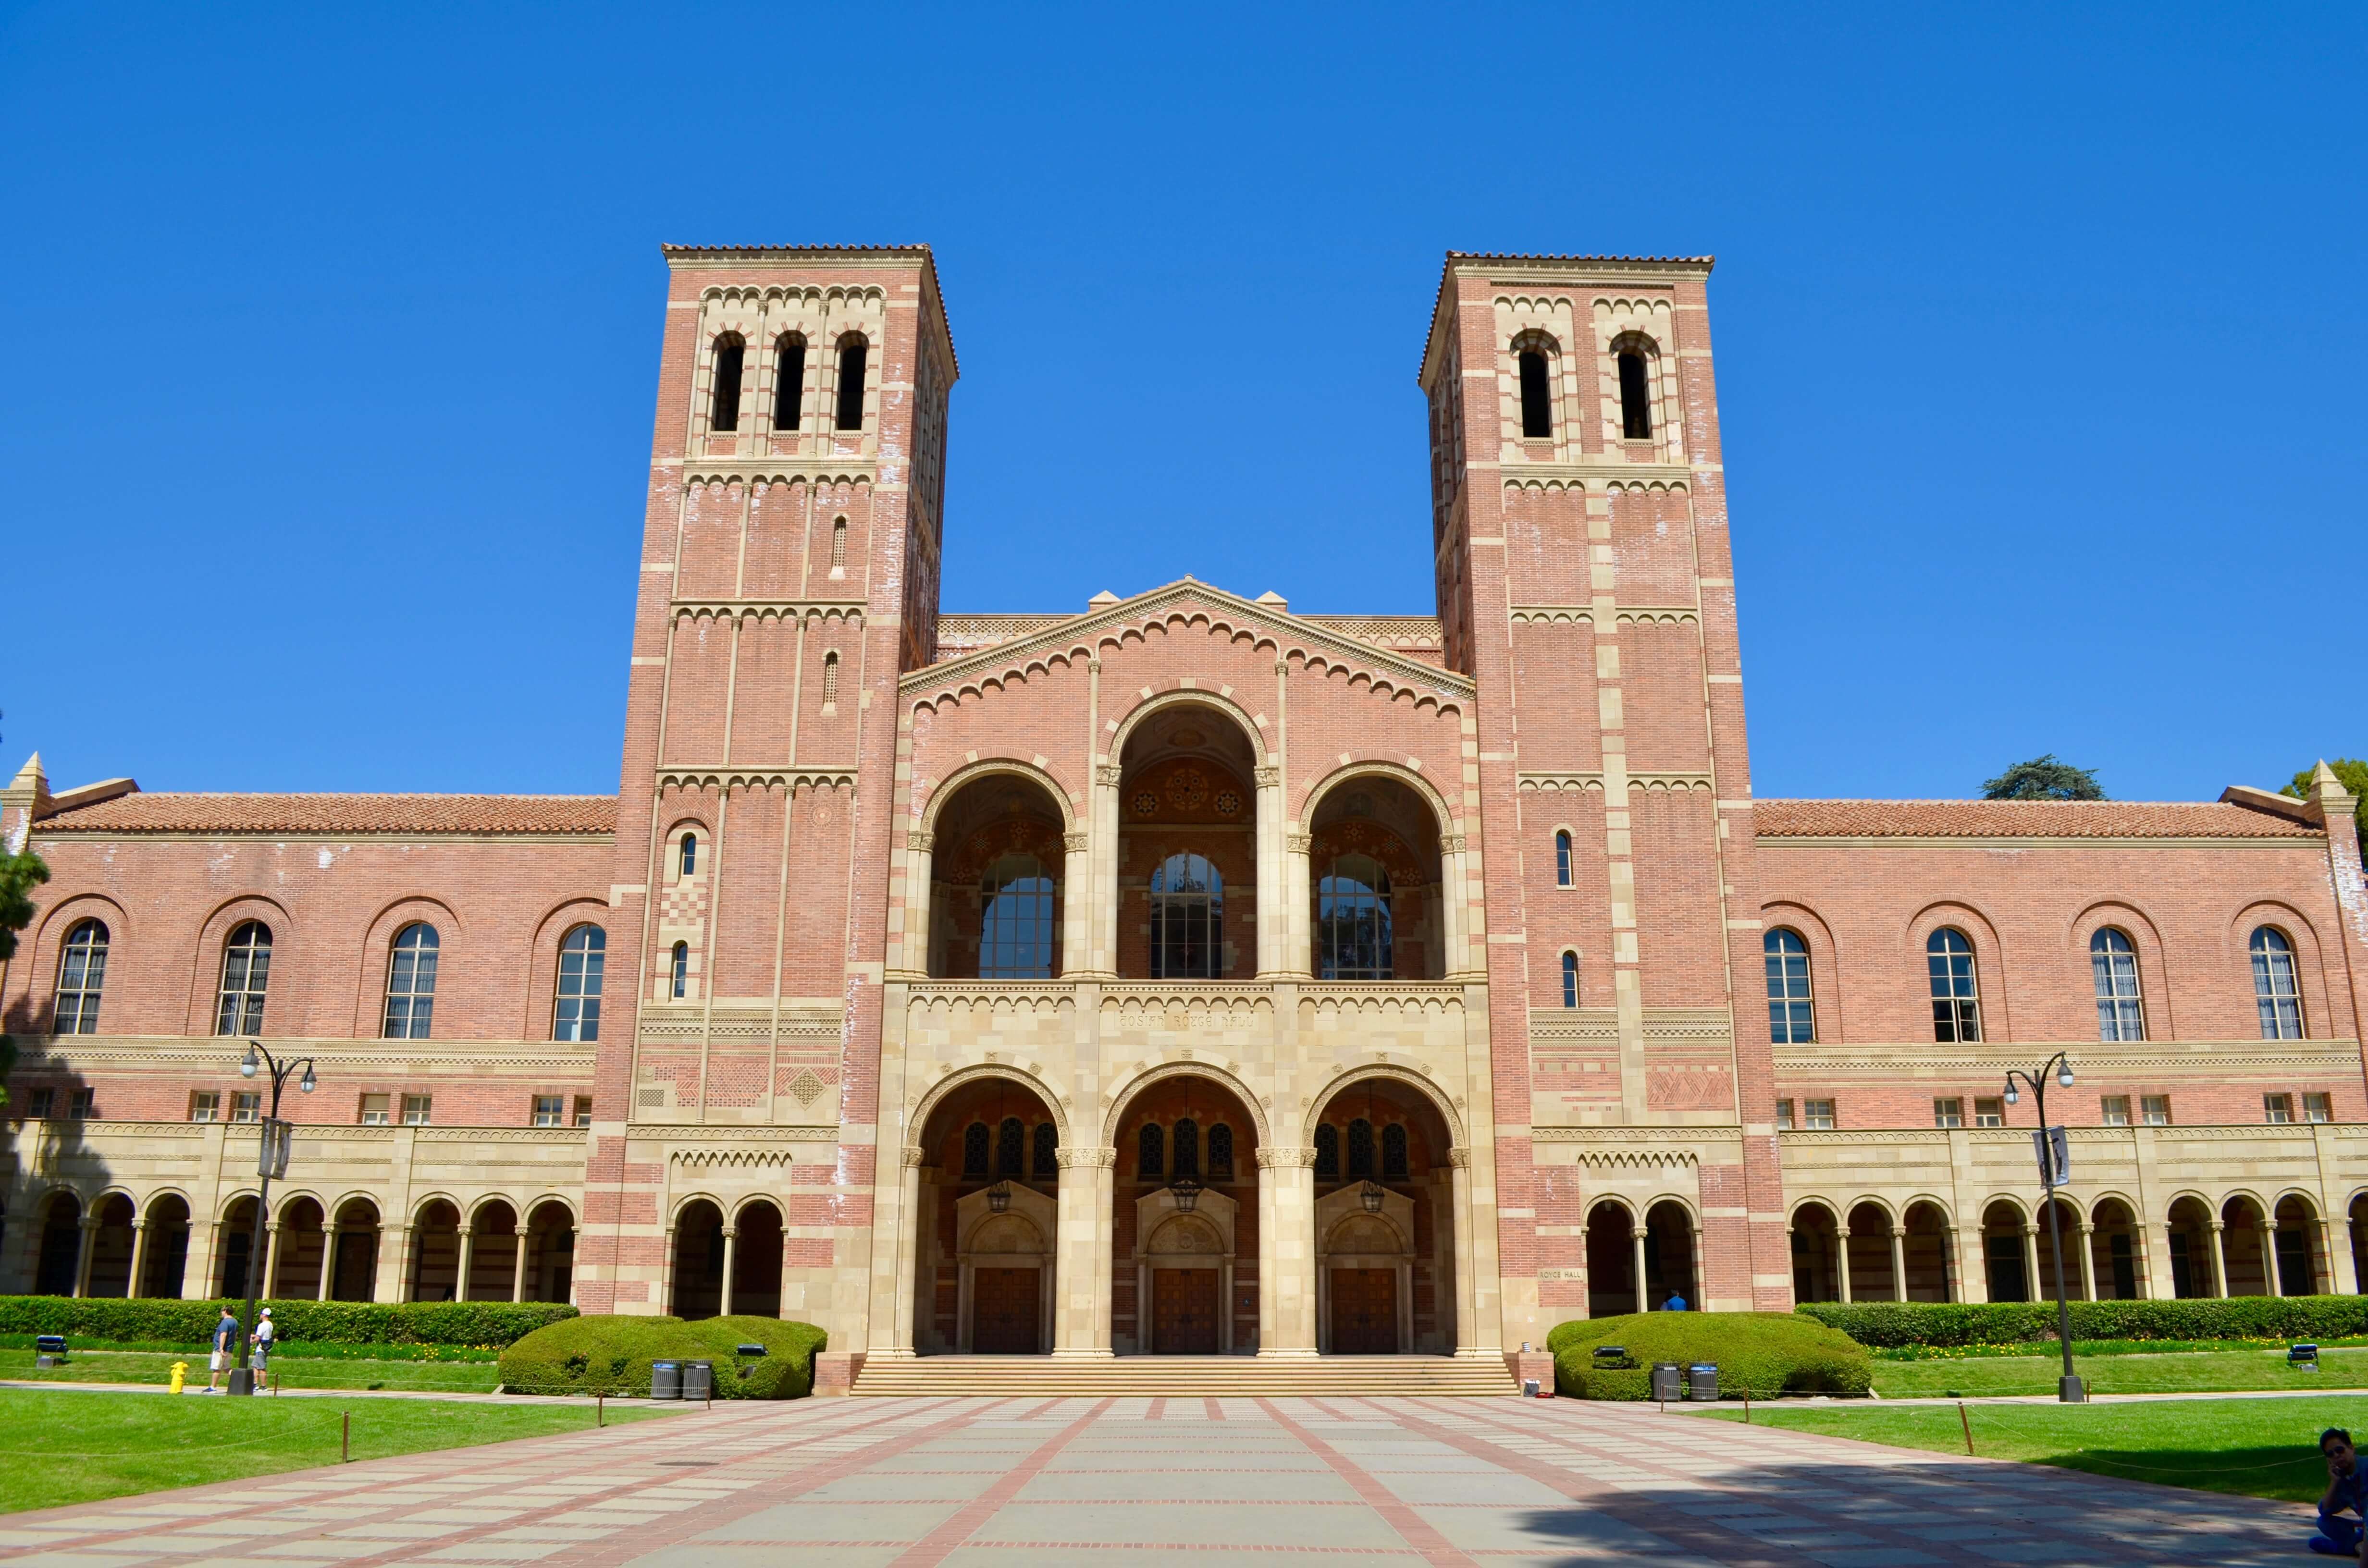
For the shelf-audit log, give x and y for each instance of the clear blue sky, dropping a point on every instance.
(328, 338)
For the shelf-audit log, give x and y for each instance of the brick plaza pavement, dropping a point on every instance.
(1144, 1481)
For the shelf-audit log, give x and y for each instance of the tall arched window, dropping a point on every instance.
(1011, 1147)
(1150, 1151)
(1393, 1152)
(729, 353)
(2275, 992)
(1184, 1151)
(1361, 1150)
(829, 680)
(789, 380)
(1327, 1151)
(1187, 920)
(1048, 1150)
(1221, 1152)
(2119, 1013)
(1791, 1014)
(1635, 397)
(245, 974)
(689, 860)
(852, 354)
(411, 983)
(1352, 920)
(583, 953)
(1956, 999)
(838, 542)
(1561, 857)
(1014, 932)
(1570, 980)
(678, 976)
(976, 1143)
(82, 975)
(1537, 397)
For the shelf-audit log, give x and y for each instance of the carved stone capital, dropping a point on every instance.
(1451, 844)
(1283, 1156)
(1075, 843)
(1089, 1157)
(1266, 777)
(1297, 842)
(913, 1156)
(1460, 1158)
(1106, 775)
(731, 1231)
(1095, 665)
(920, 840)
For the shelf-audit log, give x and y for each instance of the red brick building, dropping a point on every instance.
(1183, 974)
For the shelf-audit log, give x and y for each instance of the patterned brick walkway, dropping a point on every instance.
(1130, 1481)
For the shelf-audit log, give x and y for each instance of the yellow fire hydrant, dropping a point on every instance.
(180, 1372)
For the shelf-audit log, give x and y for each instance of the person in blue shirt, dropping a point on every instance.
(1675, 1303)
(225, 1349)
(2347, 1491)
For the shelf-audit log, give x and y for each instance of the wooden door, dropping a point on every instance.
(1184, 1311)
(1004, 1311)
(1364, 1311)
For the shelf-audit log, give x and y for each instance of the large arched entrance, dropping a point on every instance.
(1185, 1225)
(1375, 878)
(987, 1221)
(1925, 1252)
(165, 1254)
(2244, 1250)
(353, 1252)
(997, 874)
(1384, 1251)
(2007, 1252)
(2294, 1236)
(2116, 1251)
(2194, 1270)
(1815, 1244)
(109, 1273)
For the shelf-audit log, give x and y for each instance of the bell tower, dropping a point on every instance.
(788, 576)
(1585, 582)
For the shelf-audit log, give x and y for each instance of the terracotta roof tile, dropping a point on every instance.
(165, 812)
(2019, 819)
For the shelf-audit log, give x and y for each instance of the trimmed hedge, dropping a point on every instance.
(611, 1354)
(482, 1325)
(1887, 1323)
(1762, 1354)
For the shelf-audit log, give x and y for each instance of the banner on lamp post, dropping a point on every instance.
(2054, 1147)
(279, 1140)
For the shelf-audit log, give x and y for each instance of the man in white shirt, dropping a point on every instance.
(263, 1333)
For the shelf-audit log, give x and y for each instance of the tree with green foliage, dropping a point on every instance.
(2045, 778)
(2353, 774)
(19, 874)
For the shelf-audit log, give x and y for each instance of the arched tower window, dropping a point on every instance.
(1187, 920)
(2275, 992)
(583, 953)
(1011, 1148)
(1361, 1150)
(411, 983)
(1792, 1013)
(82, 975)
(1048, 1150)
(245, 974)
(1537, 395)
(829, 678)
(724, 416)
(1956, 997)
(2121, 1013)
(852, 354)
(1393, 1152)
(678, 985)
(838, 542)
(1570, 980)
(975, 1141)
(1635, 397)
(1150, 1151)
(1015, 934)
(1327, 1151)
(1352, 920)
(1221, 1152)
(1184, 1157)
(789, 381)
(1561, 857)
(690, 862)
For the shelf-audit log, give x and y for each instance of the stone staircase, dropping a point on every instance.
(1015, 1377)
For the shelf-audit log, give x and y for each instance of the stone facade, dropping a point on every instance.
(1017, 983)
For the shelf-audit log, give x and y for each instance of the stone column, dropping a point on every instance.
(1076, 903)
(1103, 888)
(1294, 952)
(2032, 1289)
(2339, 1272)
(1953, 1266)
(1467, 1315)
(2087, 1260)
(468, 1261)
(2219, 1260)
(518, 1267)
(1286, 1250)
(85, 1248)
(2268, 1247)
(1841, 1261)
(1081, 1274)
(920, 869)
(666, 1270)
(138, 1256)
(329, 1233)
(270, 1260)
(911, 1247)
(1898, 1263)
(2141, 1243)
(1636, 1242)
(730, 1257)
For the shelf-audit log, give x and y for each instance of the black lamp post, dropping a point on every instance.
(2053, 1168)
(270, 1160)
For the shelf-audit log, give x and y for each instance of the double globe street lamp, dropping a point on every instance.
(2054, 1150)
(270, 1160)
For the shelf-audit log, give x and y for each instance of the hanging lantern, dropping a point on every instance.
(1187, 1193)
(1371, 1195)
(998, 1197)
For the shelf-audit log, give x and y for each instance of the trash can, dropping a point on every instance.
(666, 1380)
(1701, 1380)
(52, 1348)
(1665, 1380)
(698, 1380)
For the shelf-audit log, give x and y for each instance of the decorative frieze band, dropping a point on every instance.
(727, 776)
(1092, 1157)
(1277, 1156)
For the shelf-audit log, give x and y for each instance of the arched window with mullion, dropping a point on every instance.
(1792, 1012)
(2276, 989)
(246, 976)
(1188, 919)
(1957, 992)
(82, 975)
(2121, 1011)
(576, 1013)
(411, 983)
(1015, 938)
(1352, 920)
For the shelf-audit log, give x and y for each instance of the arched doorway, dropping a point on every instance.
(165, 1257)
(1374, 871)
(1925, 1253)
(697, 1279)
(2294, 1238)
(1612, 1259)
(1384, 1221)
(987, 1224)
(2189, 1232)
(2006, 1252)
(300, 1253)
(755, 1270)
(2066, 1238)
(1670, 1267)
(111, 1248)
(1872, 1278)
(1187, 896)
(998, 873)
(550, 1246)
(353, 1252)
(234, 1247)
(2115, 1252)
(436, 1253)
(2244, 1247)
(1185, 1222)
(60, 1257)
(2359, 1227)
(1816, 1253)
(493, 1252)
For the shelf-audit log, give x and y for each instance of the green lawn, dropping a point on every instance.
(2259, 1448)
(2224, 1372)
(300, 1371)
(59, 1447)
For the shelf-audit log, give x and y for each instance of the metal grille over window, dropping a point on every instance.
(1393, 1152)
(1187, 912)
(1186, 1152)
(1361, 1150)
(1221, 1152)
(1791, 1014)
(1011, 1148)
(1150, 1150)
(1957, 1002)
(246, 972)
(2120, 1015)
(1352, 920)
(411, 984)
(975, 1149)
(1015, 939)
(82, 975)
(1048, 1150)
(2274, 990)
(582, 954)
(1328, 1152)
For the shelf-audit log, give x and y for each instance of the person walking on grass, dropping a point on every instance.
(225, 1347)
(263, 1336)
(2347, 1492)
